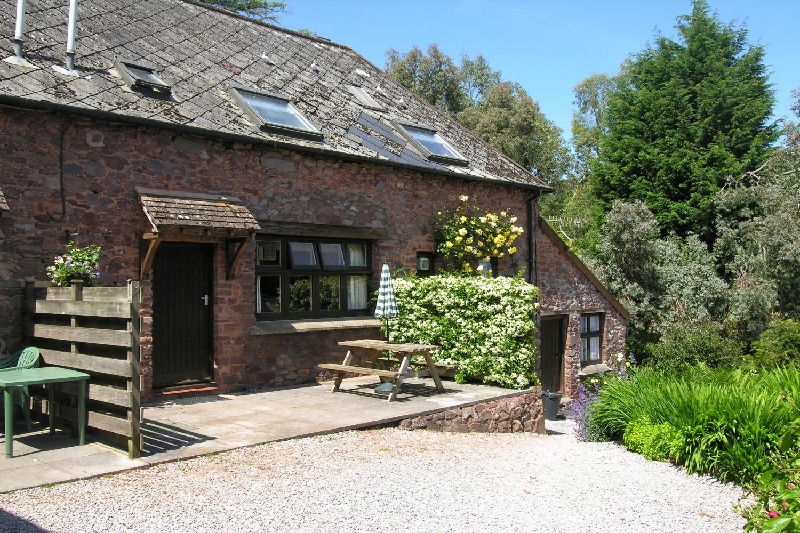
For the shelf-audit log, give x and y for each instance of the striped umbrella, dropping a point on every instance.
(387, 303)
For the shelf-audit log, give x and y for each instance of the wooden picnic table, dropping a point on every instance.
(407, 350)
(49, 375)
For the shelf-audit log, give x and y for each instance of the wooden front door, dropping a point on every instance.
(553, 343)
(182, 314)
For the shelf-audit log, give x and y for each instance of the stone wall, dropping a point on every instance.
(565, 290)
(68, 178)
(511, 414)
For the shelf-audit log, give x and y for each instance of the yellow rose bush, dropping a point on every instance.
(464, 237)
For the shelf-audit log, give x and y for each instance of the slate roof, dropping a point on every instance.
(3, 204)
(167, 209)
(200, 51)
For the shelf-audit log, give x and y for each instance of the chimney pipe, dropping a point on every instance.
(20, 28)
(73, 16)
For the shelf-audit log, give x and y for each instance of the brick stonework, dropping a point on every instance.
(102, 165)
(512, 414)
(565, 290)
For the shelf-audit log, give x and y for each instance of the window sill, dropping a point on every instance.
(281, 327)
(595, 367)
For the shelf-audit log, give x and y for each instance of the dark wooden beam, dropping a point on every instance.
(234, 248)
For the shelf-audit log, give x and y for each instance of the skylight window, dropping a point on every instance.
(365, 98)
(433, 144)
(273, 112)
(141, 75)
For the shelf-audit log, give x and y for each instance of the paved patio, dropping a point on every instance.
(195, 426)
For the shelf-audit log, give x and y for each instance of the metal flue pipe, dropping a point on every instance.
(73, 17)
(19, 31)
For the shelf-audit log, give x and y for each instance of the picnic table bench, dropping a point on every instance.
(407, 350)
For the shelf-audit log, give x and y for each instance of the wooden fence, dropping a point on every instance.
(94, 330)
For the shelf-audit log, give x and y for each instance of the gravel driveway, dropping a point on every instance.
(391, 480)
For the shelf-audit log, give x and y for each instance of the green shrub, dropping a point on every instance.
(778, 492)
(685, 345)
(485, 326)
(779, 345)
(727, 418)
(655, 442)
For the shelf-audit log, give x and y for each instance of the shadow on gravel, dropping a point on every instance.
(11, 522)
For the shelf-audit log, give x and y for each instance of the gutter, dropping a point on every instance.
(27, 103)
(533, 252)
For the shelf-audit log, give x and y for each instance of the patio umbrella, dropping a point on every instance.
(387, 303)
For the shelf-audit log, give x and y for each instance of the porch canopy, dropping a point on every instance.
(196, 217)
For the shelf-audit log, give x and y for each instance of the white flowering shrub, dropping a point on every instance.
(485, 326)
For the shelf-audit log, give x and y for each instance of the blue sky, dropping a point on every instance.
(548, 46)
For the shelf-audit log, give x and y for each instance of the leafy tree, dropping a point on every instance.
(509, 119)
(689, 113)
(779, 345)
(574, 214)
(694, 292)
(665, 283)
(589, 119)
(628, 265)
(759, 237)
(263, 10)
(477, 77)
(500, 112)
(433, 76)
(684, 345)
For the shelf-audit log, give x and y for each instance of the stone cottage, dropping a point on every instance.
(253, 179)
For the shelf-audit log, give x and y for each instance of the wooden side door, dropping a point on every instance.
(553, 336)
(182, 314)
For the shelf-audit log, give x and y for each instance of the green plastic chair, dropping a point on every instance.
(27, 358)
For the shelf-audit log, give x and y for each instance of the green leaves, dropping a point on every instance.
(500, 112)
(264, 10)
(484, 325)
(684, 115)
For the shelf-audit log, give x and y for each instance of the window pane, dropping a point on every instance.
(332, 255)
(356, 292)
(329, 293)
(433, 142)
(594, 323)
(584, 324)
(486, 268)
(276, 111)
(584, 349)
(357, 255)
(594, 348)
(146, 76)
(269, 253)
(299, 293)
(303, 254)
(269, 294)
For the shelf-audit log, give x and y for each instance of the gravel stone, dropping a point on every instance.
(392, 480)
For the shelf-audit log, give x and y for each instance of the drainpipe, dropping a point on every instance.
(19, 31)
(533, 264)
(73, 16)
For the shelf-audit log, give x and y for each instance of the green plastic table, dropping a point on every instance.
(49, 375)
